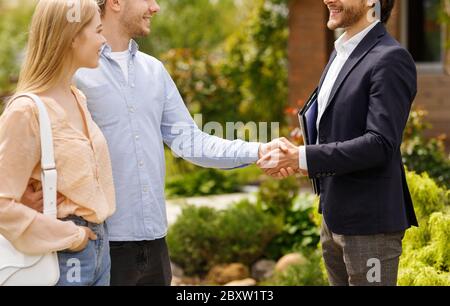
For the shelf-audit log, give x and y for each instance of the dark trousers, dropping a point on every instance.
(361, 260)
(142, 263)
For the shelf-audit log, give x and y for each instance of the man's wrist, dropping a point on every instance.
(303, 163)
(294, 157)
(260, 149)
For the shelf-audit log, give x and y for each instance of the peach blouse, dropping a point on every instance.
(84, 176)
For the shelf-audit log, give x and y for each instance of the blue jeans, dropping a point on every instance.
(90, 267)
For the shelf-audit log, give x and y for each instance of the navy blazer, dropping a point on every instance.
(363, 189)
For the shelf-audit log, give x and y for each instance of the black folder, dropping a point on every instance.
(307, 117)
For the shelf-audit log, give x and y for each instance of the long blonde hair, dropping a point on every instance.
(54, 25)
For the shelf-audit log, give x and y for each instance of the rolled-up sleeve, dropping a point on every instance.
(29, 231)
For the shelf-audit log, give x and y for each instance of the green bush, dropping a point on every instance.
(185, 179)
(276, 196)
(308, 274)
(421, 154)
(281, 199)
(427, 196)
(201, 183)
(299, 229)
(204, 237)
(204, 88)
(426, 258)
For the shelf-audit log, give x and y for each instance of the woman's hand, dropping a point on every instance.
(35, 199)
(89, 235)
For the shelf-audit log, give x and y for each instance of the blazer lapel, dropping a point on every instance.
(371, 39)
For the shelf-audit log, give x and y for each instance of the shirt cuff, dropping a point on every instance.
(80, 238)
(251, 153)
(303, 164)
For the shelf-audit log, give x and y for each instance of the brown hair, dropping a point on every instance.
(386, 9)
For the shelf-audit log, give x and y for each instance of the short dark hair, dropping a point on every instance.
(386, 9)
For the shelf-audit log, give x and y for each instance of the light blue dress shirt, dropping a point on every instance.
(137, 117)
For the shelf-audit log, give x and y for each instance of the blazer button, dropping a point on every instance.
(322, 139)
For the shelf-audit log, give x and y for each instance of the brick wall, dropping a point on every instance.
(308, 47)
(434, 96)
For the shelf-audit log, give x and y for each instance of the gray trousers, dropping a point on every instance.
(361, 260)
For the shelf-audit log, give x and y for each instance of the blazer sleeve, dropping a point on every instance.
(393, 87)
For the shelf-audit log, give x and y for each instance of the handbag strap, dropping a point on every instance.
(48, 166)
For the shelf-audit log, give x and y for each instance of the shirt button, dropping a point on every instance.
(145, 189)
(141, 164)
(137, 137)
(132, 85)
(132, 109)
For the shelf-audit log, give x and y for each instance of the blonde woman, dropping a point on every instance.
(58, 46)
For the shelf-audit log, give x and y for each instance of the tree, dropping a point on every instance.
(257, 62)
(247, 80)
(14, 22)
(194, 24)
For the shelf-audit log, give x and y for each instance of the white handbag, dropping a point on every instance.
(16, 268)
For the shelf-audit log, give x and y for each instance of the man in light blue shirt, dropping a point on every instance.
(136, 104)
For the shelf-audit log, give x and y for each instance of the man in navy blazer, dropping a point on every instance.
(364, 100)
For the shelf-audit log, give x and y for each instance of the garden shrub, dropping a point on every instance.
(421, 154)
(201, 183)
(276, 196)
(203, 237)
(280, 198)
(426, 257)
(204, 88)
(181, 180)
(309, 274)
(299, 229)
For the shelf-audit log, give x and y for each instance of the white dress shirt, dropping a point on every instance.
(344, 48)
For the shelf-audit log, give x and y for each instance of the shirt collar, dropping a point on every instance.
(346, 47)
(133, 47)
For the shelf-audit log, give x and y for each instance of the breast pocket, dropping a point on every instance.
(104, 105)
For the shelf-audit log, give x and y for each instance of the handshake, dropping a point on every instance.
(280, 159)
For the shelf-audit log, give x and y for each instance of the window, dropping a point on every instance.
(422, 32)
